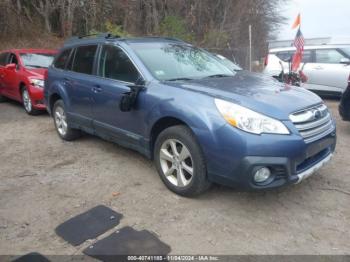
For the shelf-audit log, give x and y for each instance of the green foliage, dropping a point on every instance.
(114, 29)
(175, 26)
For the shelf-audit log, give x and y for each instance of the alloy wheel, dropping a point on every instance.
(61, 121)
(26, 101)
(176, 163)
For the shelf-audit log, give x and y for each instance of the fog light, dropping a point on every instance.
(262, 175)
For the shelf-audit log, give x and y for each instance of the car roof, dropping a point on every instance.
(77, 41)
(31, 50)
(311, 47)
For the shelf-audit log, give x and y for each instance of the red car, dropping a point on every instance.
(22, 76)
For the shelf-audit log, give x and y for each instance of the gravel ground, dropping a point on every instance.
(45, 181)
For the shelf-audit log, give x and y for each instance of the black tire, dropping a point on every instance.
(28, 108)
(2, 99)
(199, 182)
(70, 134)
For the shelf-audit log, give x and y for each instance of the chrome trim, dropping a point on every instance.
(313, 123)
(316, 131)
(315, 138)
(307, 114)
(307, 173)
(322, 121)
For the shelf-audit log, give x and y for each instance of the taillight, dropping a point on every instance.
(266, 60)
(46, 75)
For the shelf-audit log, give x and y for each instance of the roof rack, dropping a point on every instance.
(167, 38)
(90, 36)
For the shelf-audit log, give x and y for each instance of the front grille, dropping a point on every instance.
(313, 123)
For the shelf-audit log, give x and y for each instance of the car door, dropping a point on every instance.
(3, 62)
(327, 73)
(116, 72)
(79, 82)
(10, 77)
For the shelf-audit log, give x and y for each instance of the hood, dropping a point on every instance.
(258, 92)
(37, 72)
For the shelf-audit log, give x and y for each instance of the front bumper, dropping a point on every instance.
(37, 97)
(307, 173)
(289, 158)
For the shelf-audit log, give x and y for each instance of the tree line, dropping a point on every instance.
(220, 25)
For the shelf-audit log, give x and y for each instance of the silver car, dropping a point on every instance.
(327, 67)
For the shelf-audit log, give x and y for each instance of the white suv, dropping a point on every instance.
(327, 66)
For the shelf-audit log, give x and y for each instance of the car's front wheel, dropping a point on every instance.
(27, 103)
(180, 161)
(62, 126)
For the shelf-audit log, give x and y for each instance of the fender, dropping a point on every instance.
(199, 119)
(56, 88)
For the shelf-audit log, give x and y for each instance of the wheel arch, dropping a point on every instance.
(52, 100)
(21, 86)
(160, 125)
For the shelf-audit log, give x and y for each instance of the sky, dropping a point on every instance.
(320, 18)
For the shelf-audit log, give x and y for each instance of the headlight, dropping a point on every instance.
(248, 120)
(37, 82)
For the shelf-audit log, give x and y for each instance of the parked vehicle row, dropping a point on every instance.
(327, 67)
(22, 76)
(200, 118)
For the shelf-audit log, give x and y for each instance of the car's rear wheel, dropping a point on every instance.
(180, 162)
(62, 126)
(27, 103)
(2, 99)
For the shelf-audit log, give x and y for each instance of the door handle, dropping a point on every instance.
(97, 89)
(67, 81)
(318, 68)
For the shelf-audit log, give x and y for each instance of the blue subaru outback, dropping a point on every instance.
(198, 120)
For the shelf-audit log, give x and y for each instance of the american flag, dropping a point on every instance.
(299, 41)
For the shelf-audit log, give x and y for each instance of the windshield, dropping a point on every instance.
(33, 60)
(346, 50)
(179, 62)
(232, 66)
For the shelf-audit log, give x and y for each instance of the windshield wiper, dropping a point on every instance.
(218, 76)
(179, 79)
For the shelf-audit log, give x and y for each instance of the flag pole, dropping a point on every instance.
(250, 48)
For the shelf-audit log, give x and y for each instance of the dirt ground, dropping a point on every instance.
(45, 181)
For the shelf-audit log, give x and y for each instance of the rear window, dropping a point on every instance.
(84, 59)
(287, 55)
(62, 59)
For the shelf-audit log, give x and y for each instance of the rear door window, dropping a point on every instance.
(307, 57)
(115, 64)
(61, 60)
(287, 56)
(328, 56)
(3, 59)
(84, 59)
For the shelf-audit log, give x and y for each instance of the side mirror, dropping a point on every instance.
(345, 61)
(11, 66)
(129, 99)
